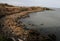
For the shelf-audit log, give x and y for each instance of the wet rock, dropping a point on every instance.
(31, 24)
(52, 36)
(9, 39)
(25, 16)
(41, 24)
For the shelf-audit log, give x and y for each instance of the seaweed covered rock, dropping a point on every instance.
(36, 36)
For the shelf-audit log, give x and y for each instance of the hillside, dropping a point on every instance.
(6, 9)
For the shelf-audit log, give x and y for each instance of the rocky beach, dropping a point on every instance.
(13, 29)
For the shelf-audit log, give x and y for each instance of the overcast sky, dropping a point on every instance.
(45, 3)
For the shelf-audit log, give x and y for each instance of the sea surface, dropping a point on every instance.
(46, 22)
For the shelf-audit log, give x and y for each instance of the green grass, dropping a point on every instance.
(2, 38)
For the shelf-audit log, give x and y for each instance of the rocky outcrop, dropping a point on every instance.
(11, 26)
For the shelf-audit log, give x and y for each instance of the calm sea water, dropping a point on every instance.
(46, 22)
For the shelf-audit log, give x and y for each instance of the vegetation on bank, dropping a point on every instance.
(2, 38)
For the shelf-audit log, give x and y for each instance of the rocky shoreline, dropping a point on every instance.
(12, 28)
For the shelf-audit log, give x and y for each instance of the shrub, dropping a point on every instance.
(2, 38)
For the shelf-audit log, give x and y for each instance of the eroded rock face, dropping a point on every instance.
(11, 26)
